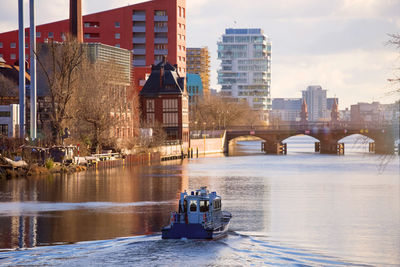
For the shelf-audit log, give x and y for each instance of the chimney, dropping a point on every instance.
(75, 19)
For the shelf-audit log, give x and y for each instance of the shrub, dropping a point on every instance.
(49, 164)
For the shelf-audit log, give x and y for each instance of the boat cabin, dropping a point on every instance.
(200, 206)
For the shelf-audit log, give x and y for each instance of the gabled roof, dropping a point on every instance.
(164, 80)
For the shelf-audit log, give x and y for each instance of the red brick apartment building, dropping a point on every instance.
(150, 30)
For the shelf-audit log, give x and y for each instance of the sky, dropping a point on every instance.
(338, 44)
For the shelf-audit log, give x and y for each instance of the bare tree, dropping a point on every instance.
(151, 136)
(7, 86)
(214, 112)
(102, 107)
(60, 64)
(395, 41)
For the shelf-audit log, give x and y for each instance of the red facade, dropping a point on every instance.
(149, 29)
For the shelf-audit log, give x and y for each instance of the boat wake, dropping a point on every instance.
(238, 248)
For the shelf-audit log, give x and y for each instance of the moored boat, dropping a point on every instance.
(200, 216)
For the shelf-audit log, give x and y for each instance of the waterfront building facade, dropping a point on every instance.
(150, 30)
(164, 101)
(198, 62)
(245, 70)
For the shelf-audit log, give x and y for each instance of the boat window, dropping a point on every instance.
(217, 204)
(193, 205)
(203, 205)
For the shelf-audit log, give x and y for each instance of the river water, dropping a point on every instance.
(299, 209)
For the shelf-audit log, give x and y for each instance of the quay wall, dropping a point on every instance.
(207, 145)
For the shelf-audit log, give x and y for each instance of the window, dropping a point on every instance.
(1, 55)
(150, 105)
(13, 45)
(63, 37)
(183, 11)
(4, 129)
(1, 44)
(170, 119)
(38, 34)
(117, 45)
(160, 24)
(217, 204)
(150, 118)
(26, 45)
(170, 105)
(160, 12)
(13, 56)
(86, 35)
(193, 205)
(180, 11)
(204, 207)
(5, 114)
(117, 25)
(117, 36)
(51, 34)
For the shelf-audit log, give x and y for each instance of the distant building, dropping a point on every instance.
(344, 115)
(289, 109)
(194, 87)
(198, 62)
(317, 103)
(164, 100)
(245, 70)
(286, 109)
(374, 113)
(9, 120)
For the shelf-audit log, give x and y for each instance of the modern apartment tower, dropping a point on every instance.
(245, 71)
(198, 62)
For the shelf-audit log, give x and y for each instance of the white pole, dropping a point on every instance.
(32, 31)
(21, 44)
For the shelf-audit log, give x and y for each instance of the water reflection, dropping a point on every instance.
(88, 206)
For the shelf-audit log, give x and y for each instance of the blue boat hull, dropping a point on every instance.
(193, 231)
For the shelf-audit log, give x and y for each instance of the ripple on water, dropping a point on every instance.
(236, 249)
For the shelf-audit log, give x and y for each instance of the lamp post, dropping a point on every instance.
(21, 46)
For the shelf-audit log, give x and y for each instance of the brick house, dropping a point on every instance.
(164, 100)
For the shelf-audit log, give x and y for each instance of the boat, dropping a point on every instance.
(200, 216)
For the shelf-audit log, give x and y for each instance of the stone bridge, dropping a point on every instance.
(327, 134)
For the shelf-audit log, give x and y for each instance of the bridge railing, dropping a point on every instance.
(312, 126)
(200, 134)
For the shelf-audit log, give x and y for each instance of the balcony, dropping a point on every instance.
(139, 17)
(160, 18)
(160, 29)
(161, 40)
(139, 51)
(160, 51)
(139, 40)
(139, 62)
(139, 29)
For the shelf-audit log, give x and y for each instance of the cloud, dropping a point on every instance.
(353, 76)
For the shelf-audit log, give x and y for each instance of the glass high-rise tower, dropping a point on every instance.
(245, 71)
